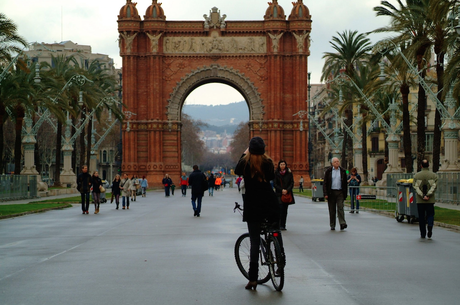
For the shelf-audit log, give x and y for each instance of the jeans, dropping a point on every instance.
(183, 188)
(196, 206)
(425, 216)
(301, 187)
(167, 188)
(127, 200)
(84, 202)
(211, 191)
(354, 191)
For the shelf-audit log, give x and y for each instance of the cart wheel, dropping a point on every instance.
(399, 218)
(410, 219)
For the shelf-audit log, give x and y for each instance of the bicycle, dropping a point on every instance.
(271, 258)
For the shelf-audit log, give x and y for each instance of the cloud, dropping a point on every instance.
(90, 22)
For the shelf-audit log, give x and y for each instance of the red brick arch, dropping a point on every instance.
(164, 61)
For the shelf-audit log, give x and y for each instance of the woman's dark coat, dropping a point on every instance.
(260, 201)
(284, 182)
(97, 182)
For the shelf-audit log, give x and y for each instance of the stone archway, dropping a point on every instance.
(163, 61)
(215, 73)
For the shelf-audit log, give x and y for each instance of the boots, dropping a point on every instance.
(430, 231)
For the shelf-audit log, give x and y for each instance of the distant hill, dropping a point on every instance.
(220, 116)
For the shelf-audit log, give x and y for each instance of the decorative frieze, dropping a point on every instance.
(214, 44)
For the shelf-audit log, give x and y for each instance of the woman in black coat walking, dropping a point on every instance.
(260, 202)
(284, 183)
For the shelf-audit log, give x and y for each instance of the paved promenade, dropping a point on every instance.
(158, 253)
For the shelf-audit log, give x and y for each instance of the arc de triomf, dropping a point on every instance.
(164, 61)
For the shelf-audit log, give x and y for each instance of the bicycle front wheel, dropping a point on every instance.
(242, 257)
(276, 263)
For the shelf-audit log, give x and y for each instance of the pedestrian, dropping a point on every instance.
(116, 190)
(167, 182)
(183, 184)
(335, 192)
(425, 184)
(199, 183)
(238, 180)
(173, 187)
(284, 184)
(97, 184)
(84, 187)
(301, 184)
(133, 187)
(211, 184)
(260, 203)
(243, 189)
(144, 186)
(354, 180)
(218, 182)
(125, 184)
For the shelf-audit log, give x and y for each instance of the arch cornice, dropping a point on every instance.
(215, 73)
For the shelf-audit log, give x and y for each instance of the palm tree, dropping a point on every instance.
(439, 32)
(352, 51)
(412, 25)
(10, 41)
(61, 71)
(399, 78)
(102, 87)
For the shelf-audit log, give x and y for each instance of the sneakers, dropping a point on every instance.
(343, 227)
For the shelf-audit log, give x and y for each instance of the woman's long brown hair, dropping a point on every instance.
(255, 163)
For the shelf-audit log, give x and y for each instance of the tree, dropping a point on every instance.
(10, 41)
(352, 51)
(240, 141)
(61, 72)
(411, 24)
(193, 147)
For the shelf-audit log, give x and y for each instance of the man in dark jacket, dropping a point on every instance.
(84, 187)
(197, 181)
(335, 192)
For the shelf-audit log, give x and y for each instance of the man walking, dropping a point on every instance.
(425, 183)
(84, 187)
(335, 192)
(198, 181)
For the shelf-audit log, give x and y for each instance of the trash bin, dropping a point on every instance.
(317, 193)
(407, 203)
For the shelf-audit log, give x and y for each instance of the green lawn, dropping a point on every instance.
(21, 209)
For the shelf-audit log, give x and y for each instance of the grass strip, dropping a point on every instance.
(13, 210)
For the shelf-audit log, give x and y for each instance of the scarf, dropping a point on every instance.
(283, 172)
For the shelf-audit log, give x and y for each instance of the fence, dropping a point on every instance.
(447, 188)
(16, 187)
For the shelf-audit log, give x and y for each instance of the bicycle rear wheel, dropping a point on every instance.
(242, 257)
(277, 263)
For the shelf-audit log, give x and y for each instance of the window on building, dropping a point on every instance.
(104, 156)
(429, 137)
(111, 155)
(375, 144)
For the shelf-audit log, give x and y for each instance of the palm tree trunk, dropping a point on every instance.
(421, 110)
(2, 146)
(88, 147)
(364, 143)
(350, 139)
(18, 140)
(57, 169)
(74, 145)
(437, 118)
(407, 142)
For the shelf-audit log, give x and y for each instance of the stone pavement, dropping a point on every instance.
(158, 253)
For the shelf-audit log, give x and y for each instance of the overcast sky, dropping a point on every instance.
(94, 22)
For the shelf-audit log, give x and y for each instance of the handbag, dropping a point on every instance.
(286, 198)
(102, 189)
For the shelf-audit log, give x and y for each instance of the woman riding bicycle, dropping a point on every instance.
(260, 203)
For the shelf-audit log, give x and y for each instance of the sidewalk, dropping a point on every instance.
(25, 201)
